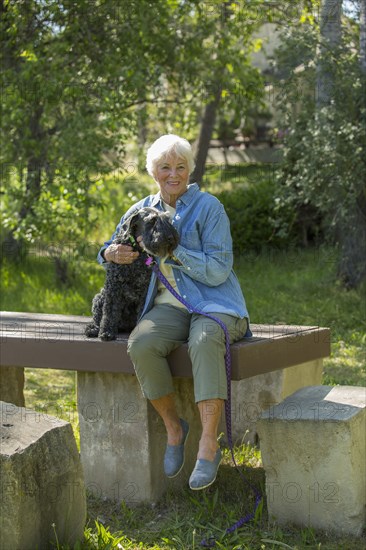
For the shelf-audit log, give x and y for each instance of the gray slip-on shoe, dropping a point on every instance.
(174, 454)
(205, 472)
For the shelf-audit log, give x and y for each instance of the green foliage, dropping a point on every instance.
(62, 212)
(324, 156)
(60, 248)
(252, 215)
(213, 57)
(329, 167)
(102, 539)
(120, 190)
(77, 83)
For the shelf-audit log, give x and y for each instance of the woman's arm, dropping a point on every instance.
(206, 253)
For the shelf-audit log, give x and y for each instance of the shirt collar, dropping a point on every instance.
(187, 197)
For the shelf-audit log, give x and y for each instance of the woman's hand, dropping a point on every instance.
(120, 254)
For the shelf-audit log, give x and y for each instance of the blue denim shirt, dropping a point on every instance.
(203, 261)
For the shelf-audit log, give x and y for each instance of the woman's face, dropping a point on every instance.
(172, 176)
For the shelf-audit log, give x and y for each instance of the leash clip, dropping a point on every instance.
(150, 261)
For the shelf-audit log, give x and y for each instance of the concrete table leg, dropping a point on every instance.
(313, 448)
(12, 385)
(123, 440)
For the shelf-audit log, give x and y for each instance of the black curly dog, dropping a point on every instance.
(118, 305)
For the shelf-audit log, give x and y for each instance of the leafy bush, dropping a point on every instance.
(253, 219)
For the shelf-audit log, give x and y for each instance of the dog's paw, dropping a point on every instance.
(92, 331)
(106, 336)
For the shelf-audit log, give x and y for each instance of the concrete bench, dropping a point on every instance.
(122, 439)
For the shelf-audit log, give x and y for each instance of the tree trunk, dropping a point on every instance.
(142, 133)
(330, 38)
(207, 126)
(33, 186)
(352, 265)
(209, 116)
(363, 36)
(35, 164)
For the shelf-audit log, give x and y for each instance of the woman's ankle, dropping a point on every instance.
(208, 446)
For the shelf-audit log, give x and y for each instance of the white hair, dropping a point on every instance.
(165, 147)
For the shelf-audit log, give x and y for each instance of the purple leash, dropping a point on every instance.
(258, 497)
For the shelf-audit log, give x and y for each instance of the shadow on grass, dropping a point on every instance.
(184, 519)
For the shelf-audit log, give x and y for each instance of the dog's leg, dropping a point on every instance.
(109, 324)
(92, 329)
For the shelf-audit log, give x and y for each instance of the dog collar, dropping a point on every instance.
(133, 241)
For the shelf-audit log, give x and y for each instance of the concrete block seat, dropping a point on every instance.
(41, 481)
(313, 448)
(118, 427)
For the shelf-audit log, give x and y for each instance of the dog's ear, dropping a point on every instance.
(148, 213)
(164, 221)
(129, 224)
(158, 217)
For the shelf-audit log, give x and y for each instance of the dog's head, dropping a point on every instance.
(158, 234)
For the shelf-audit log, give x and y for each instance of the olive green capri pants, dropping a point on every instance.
(166, 327)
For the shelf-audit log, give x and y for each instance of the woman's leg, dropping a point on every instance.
(161, 330)
(207, 352)
(210, 413)
(165, 407)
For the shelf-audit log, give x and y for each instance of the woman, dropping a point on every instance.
(201, 272)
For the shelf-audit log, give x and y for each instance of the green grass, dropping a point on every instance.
(299, 287)
(293, 287)
(32, 286)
